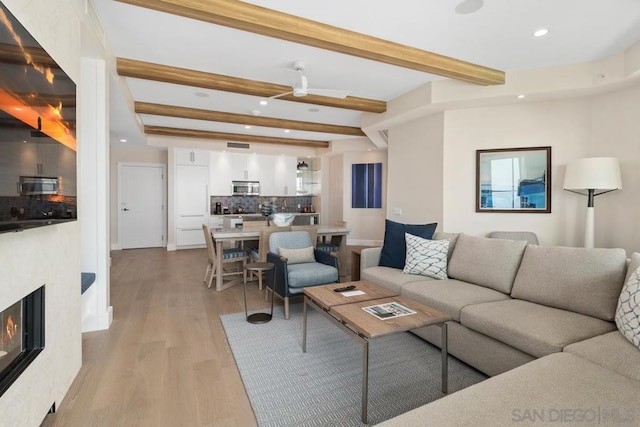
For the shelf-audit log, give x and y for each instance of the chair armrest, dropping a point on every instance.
(327, 258)
(370, 257)
(281, 272)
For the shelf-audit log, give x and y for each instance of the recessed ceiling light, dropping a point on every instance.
(313, 110)
(540, 32)
(18, 109)
(201, 94)
(263, 102)
(123, 140)
(521, 96)
(247, 127)
(287, 131)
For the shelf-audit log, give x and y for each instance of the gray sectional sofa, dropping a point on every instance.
(538, 320)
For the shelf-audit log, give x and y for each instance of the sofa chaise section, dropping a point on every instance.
(538, 393)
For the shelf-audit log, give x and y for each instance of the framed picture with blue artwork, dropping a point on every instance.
(513, 180)
(366, 185)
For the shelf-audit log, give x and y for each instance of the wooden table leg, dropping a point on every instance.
(219, 271)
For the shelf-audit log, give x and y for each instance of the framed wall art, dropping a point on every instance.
(514, 180)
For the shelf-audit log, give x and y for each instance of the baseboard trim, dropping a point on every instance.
(116, 247)
(171, 247)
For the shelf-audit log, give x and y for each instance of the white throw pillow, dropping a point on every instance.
(426, 257)
(298, 256)
(628, 311)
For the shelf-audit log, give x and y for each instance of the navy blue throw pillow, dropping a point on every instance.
(394, 249)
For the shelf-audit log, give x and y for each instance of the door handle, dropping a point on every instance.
(125, 209)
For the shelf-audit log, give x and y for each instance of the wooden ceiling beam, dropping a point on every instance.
(271, 23)
(242, 119)
(12, 54)
(235, 137)
(182, 76)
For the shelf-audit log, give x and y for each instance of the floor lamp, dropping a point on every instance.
(592, 177)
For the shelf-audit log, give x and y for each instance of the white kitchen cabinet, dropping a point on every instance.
(67, 183)
(245, 167)
(285, 176)
(9, 168)
(190, 157)
(267, 175)
(38, 159)
(220, 173)
(192, 204)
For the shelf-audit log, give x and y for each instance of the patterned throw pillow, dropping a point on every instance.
(628, 311)
(426, 257)
(297, 256)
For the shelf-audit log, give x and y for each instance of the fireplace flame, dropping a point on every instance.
(11, 328)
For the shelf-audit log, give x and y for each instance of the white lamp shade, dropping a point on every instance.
(594, 173)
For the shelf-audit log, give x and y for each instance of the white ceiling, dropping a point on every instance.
(498, 35)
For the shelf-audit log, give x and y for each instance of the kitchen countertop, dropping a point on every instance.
(258, 214)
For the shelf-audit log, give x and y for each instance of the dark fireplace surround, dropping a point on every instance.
(21, 336)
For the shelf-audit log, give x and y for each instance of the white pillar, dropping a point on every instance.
(93, 190)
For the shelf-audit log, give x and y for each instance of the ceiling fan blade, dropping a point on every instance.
(280, 95)
(332, 93)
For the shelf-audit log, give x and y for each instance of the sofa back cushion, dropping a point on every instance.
(491, 263)
(394, 248)
(451, 237)
(581, 280)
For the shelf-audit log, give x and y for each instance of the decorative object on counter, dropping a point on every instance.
(239, 209)
(282, 219)
(303, 166)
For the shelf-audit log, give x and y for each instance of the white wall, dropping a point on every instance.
(366, 225)
(134, 155)
(615, 132)
(48, 255)
(415, 165)
(563, 125)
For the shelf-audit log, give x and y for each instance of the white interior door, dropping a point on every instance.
(141, 204)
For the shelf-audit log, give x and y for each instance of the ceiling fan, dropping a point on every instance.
(301, 87)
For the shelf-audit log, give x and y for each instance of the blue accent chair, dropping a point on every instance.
(291, 279)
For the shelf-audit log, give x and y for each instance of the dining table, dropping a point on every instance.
(239, 235)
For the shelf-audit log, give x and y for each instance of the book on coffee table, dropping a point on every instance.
(388, 310)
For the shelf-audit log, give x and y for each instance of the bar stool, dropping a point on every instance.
(257, 267)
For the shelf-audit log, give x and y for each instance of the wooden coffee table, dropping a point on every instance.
(347, 313)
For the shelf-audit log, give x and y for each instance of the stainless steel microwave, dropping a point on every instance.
(245, 188)
(36, 185)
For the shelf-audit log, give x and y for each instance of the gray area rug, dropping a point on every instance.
(323, 386)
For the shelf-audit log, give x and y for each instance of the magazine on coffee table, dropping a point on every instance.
(388, 310)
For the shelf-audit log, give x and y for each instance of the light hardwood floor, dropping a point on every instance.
(165, 361)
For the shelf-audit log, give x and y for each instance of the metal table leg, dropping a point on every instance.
(445, 358)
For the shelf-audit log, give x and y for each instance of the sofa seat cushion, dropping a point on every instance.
(533, 328)
(611, 351)
(582, 280)
(450, 295)
(311, 274)
(491, 263)
(557, 385)
(390, 278)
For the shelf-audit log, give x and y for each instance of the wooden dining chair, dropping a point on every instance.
(236, 256)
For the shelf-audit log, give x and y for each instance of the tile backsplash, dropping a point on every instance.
(34, 207)
(253, 204)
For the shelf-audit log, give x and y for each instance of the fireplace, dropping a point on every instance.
(21, 336)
